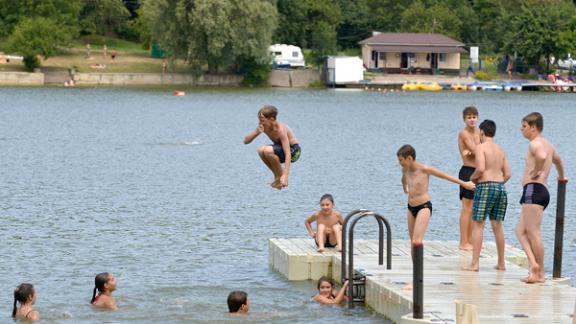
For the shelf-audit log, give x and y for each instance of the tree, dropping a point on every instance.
(535, 28)
(437, 18)
(36, 36)
(566, 41)
(213, 33)
(103, 17)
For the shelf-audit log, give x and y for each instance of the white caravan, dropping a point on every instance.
(286, 56)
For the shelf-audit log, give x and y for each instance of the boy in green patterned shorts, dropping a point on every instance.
(490, 199)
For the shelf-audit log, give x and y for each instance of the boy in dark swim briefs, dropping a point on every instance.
(535, 197)
(284, 147)
(468, 139)
(415, 178)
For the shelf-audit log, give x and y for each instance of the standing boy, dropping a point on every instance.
(535, 197)
(490, 198)
(415, 178)
(285, 148)
(468, 138)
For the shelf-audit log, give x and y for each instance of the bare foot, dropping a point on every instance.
(526, 278)
(276, 184)
(338, 248)
(409, 286)
(535, 279)
(471, 268)
(320, 250)
(500, 267)
(466, 247)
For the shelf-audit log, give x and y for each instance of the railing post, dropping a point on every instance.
(418, 281)
(559, 236)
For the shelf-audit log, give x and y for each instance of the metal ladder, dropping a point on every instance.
(356, 285)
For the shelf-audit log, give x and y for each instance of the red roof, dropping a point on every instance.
(411, 39)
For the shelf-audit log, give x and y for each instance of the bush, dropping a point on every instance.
(31, 62)
(255, 73)
(485, 76)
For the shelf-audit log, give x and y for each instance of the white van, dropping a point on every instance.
(286, 56)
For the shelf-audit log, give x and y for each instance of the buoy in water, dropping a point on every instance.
(179, 93)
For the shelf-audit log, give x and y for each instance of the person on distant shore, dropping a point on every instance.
(535, 197)
(327, 294)
(490, 198)
(510, 67)
(468, 139)
(285, 148)
(105, 52)
(25, 295)
(238, 302)
(328, 225)
(105, 283)
(113, 54)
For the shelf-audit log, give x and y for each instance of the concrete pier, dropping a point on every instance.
(451, 295)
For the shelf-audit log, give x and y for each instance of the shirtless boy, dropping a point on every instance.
(329, 225)
(490, 198)
(468, 138)
(285, 148)
(415, 178)
(535, 197)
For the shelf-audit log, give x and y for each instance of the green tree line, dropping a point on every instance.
(233, 35)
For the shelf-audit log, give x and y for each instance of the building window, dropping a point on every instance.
(295, 54)
(383, 56)
(442, 57)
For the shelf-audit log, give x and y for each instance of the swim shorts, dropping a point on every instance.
(294, 151)
(414, 210)
(464, 175)
(326, 242)
(490, 200)
(535, 193)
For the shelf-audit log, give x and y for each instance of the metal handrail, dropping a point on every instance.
(361, 213)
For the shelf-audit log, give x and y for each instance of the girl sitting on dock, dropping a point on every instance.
(105, 283)
(329, 225)
(327, 294)
(25, 294)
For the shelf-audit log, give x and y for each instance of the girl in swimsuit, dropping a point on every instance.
(329, 225)
(105, 283)
(327, 294)
(26, 296)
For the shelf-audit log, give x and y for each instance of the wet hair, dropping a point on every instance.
(268, 112)
(534, 119)
(235, 300)
(327, 196)
(99, 282)
(406, 150)
(22, 294)
(488, 127)
(470, 110)
(325, 279)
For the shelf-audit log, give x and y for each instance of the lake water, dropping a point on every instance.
(160, 191)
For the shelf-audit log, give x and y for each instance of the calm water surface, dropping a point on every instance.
(160, 191)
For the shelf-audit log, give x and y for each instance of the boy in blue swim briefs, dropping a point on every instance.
(284, 148)
(535, 197)
(490, 198)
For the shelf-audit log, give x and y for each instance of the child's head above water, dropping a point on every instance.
(238, 302)
(23, 294)
(325, 286)
(104, 281)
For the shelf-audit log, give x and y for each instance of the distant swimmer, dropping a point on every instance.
(25, 295)
(490, 197)
(284, 148)
(105, 284)
(328, 225)
(535, 197)
(238, 303)
(468, 138)
(326, 292)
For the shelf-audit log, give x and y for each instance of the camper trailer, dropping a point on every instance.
(287, 56)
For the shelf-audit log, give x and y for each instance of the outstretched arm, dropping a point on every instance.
(250, 137)
(437, 173)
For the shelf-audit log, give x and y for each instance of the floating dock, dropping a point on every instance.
(450, 294)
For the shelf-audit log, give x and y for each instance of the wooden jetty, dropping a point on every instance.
(451, 295)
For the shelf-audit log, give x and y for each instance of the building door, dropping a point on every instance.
(375, 59)
(404, 60)
(434, 61)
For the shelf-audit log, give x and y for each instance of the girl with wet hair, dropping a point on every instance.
(26, 296)
(105, 283)
(327, 294)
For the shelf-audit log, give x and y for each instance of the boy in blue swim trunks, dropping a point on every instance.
(490, 198)
(535, 197)
(415, 178)
(284, 147)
